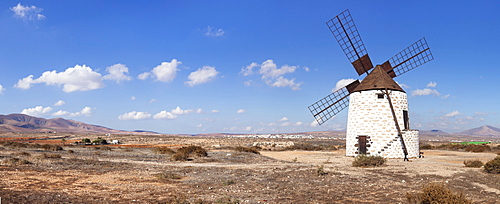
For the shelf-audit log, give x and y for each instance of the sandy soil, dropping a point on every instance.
(130, 175)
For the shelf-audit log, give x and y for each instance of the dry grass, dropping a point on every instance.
(363, 160)
(167, 176)
(163, 150)
(247, 149)
(436, 193)
(465, 147)
(493, 166)
(473, 163)
(184, 153)
(50, 156)
(14, 161)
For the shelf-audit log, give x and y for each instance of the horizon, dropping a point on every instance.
(238, 66)
(234, 133)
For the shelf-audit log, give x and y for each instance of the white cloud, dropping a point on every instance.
(248, 128)
(283, 119)
(199, 125)
(202, 75)
(314, 124)
(134, 116)
(179, 111)
(78, 78)
(272, 75)
(59, 103)
(452, 114)
(445, 96)
(25, 83)
(241, 111)
(214, 32)
(152, 100)
(165, 72)
(132, 98)
(341, 83)
(164, 115)
(248, 70)
(285, 124)
(27, 13)
(248, 83)
(144, 75)
(86, 111)
(424, 92)
(283, 82)
(173, 114)
(2, 89)
(298, 123)
(37, 111)
(117, 73)
(431, 84)
(61, 113)
(269, 69)
(215, 111)
(404, 86)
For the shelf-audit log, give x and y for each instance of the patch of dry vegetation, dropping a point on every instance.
(50, 156)
(14, 161)
(493, 166)
(310, 147)
(473, 163)
(22, 145)
(436, 193)
(167, 176)
(363, 160)
(184, 153)
(465, 147)
(163, 150)
(254, 149)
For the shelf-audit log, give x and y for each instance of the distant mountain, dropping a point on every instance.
(25, 123)
(432, 132)
(482, 131)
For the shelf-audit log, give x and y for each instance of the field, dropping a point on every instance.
(132, 173)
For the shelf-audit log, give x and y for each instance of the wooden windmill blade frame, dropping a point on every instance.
(343, 28)
(413, 56)
(332, 104)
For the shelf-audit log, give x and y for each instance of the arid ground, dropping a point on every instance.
(133, 173)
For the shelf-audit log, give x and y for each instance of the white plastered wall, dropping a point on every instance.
(371, 116)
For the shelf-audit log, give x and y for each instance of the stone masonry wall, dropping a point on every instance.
(371, 116)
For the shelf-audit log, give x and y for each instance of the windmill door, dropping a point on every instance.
(362, 144)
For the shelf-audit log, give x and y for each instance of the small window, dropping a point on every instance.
(380, 95)
(406, 120)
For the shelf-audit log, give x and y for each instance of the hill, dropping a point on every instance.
(27, 124)
(482, 131)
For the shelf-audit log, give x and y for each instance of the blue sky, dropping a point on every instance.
(238, 66)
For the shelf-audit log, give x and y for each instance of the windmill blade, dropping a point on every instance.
(413, 56)
(332, 104)
(343, 28)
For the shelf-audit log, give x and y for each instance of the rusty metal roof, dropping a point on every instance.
(378, 79)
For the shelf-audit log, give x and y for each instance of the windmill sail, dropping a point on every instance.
(343, 28)
(413, 56)
(332, 104)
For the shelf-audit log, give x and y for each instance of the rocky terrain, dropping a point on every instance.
(132, 173)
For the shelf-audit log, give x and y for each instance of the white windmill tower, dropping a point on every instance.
(378, 106)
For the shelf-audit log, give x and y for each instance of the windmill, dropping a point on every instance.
(377, 104)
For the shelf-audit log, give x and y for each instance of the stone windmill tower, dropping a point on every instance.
(378, 120)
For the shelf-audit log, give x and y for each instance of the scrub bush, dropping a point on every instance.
(363, 160)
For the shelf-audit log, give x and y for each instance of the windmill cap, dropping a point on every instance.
(378, 79)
